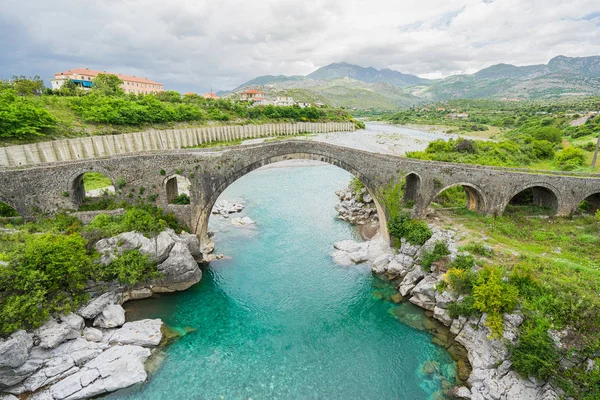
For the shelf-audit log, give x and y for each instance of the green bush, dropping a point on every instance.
(463, 262)
(7, 211)
(570, 158)
(47, 276)
(414, 231)
(479, 249)
(535, 354)
(495, 297)
(130, 267)
(182, 199)
(439, 251)
(148, 220)
(21, 117)
(465, 308)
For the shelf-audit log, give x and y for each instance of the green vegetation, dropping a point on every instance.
(182, 199)
(554, 282)
(557, 134)
(29, 114)
(7, 211)
(48, 263)
(414, 231)
(439, 251)
(95, 180)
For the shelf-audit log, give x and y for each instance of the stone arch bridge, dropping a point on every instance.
(53, 186)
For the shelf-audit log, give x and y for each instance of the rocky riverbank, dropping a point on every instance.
(358, 208)
(490, 377)
(93, 351)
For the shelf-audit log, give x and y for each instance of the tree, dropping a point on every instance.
(596, 153)
(27, 86)
(108, 85)
(69, 88)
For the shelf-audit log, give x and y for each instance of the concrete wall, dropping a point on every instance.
(173, 139)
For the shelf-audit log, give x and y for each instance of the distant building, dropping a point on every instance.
(189, 94)
(210, 95)
(284, 101)
(425, 109)
(252, 95)
(441, 109)
(83, 77)
(303, 105)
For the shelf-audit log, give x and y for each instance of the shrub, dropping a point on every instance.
(439, 251)
(479, 249)
(460, 280)
(182, 199)
(148, 220)
(21, 117)
(7, 211)
(47, 276)
(465, 308)
(414, 231)
(463, 262)
(130, 267)
(495, 297)
(569, 159)
(535, 354)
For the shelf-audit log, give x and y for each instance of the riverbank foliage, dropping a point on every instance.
(554, 282)
(557, 134)
(106, 109)
(46, 265)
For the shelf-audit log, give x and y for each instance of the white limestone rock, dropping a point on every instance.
(163, 243)
(348, 246)
(8, 397)
(424, 293)
(53, 333)
(341, 258)
(245, 221)
(15, 350)
(145, 332)
(109, 248)
(180, 270)
(93, 334)
(74, 321)
(95, 306)
(358, 257)
(411, 279)
(111, 317)
(380, 264)
(193, 244)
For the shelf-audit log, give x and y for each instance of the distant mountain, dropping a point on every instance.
(561, 76)
(353, 86)
(369, 74)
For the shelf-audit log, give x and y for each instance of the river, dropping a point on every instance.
(279, 320)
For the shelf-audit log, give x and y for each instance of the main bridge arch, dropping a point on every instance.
(202, 213)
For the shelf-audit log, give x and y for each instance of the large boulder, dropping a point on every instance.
(193, 244)
(411, 279)
(46, 366)
(97, 305)
(145, 332)
(342, 258)
(109, 248)
(74, 321)
(92, 334)
(348, 246)
(15, 350)
(53, 333)
(180, 270)
(111, 317)
(423, 294)
(116, 368)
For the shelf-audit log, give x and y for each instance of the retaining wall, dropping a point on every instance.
(173, 139)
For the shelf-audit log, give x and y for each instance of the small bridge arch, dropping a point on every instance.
(538, 194)
(475, 197)
(75, 187)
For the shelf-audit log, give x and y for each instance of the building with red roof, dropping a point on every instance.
(252, 95)
(83, 77)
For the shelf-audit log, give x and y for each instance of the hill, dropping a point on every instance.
(353, 86)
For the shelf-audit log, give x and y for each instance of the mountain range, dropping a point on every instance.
(353, 86)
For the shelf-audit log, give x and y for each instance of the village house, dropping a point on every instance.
(252, 95)
(83, 78)
(458, 115)
(210, 95)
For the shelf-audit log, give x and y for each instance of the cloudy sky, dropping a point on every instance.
(191, 45)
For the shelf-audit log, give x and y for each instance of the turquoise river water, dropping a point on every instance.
(279, 320)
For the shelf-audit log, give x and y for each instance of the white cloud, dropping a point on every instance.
(190, 45)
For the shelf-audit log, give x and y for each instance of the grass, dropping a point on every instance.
(95, 180)
(568, 241)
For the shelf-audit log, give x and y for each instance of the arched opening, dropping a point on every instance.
(8, 211)
(590, 205)
(178, 189)
(533, 200)
(412, 184)
(92, 187)
(460, 196)
(201, 213)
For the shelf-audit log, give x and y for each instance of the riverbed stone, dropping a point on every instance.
(15, 350)
(423, 294)
(348, 246)
(53, 333)
(95, 306)
(341, 258)
(145, 332)
(411, 279)
(74, 321)
(180, 270)
(92, 334)
(380, 264)
(111, 317)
